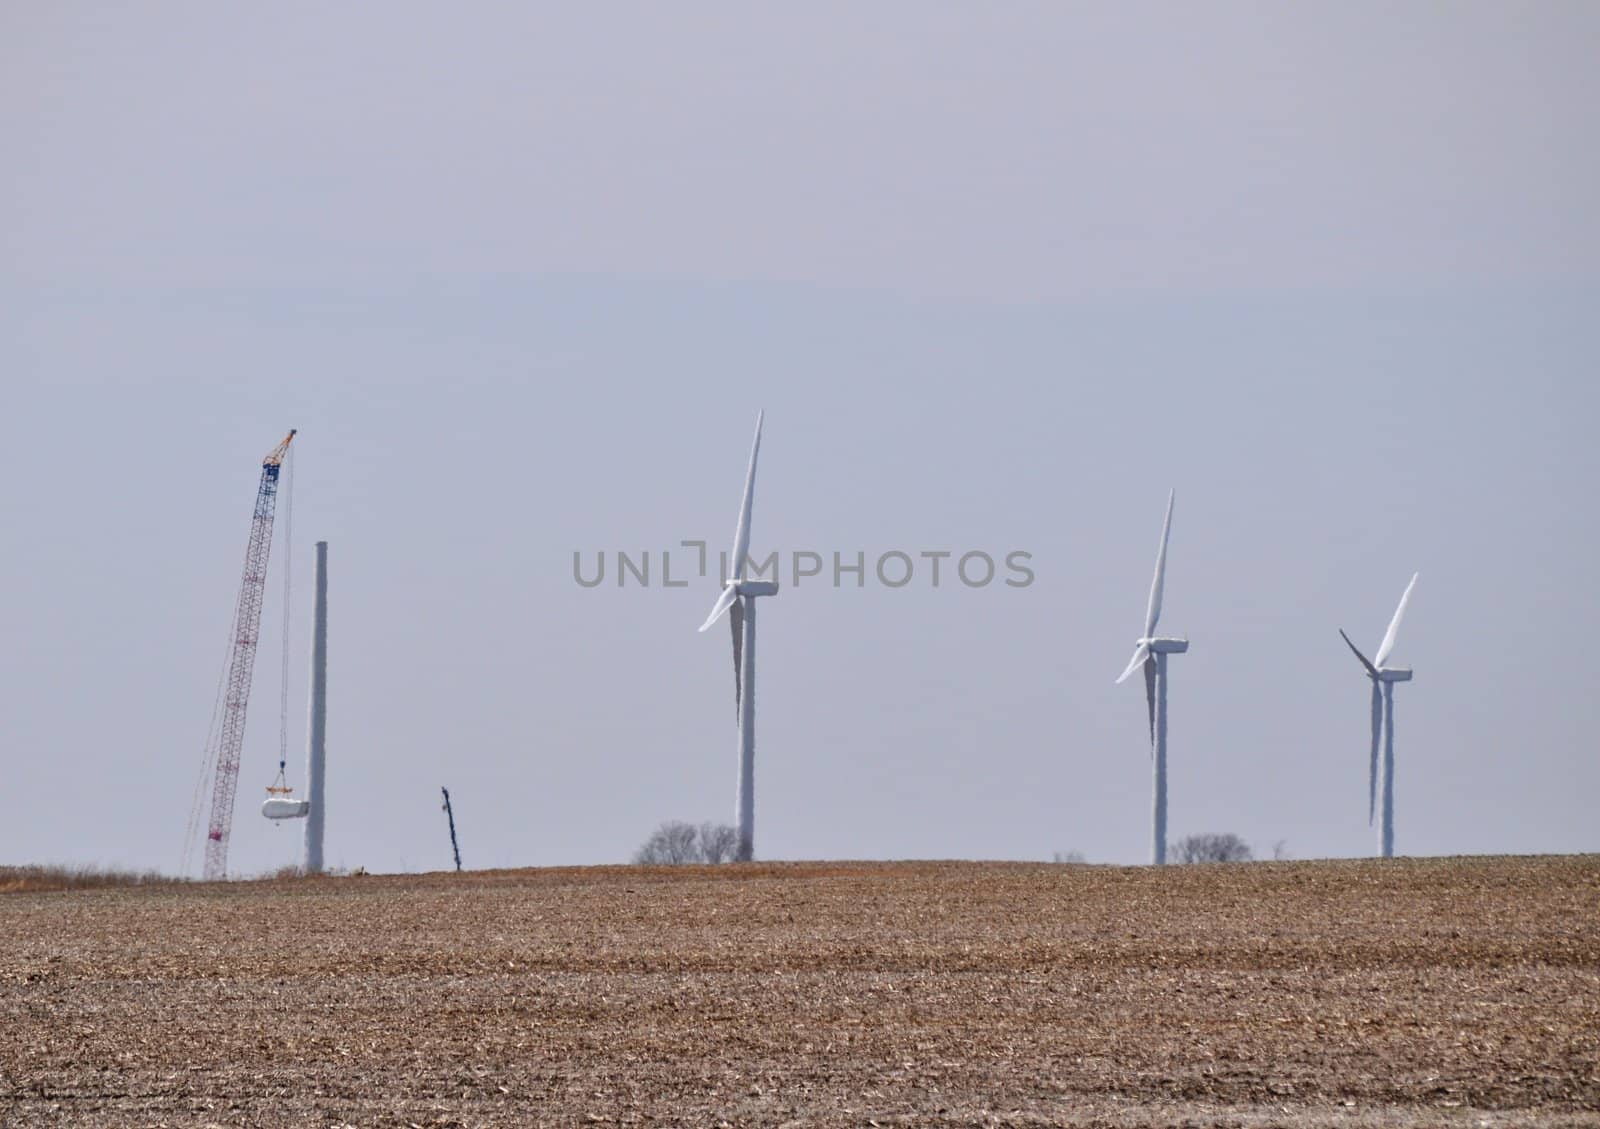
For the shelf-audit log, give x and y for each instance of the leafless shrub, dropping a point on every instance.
(718, 842)
(1069, 858)
(1212, 847)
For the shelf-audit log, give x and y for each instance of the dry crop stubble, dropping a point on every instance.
(1452, 991)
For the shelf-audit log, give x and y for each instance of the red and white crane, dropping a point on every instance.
(222, 755)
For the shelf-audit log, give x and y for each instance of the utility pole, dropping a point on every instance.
(450, 815)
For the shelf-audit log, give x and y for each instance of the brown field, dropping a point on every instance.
(1429, 992)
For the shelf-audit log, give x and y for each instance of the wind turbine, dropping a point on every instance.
(1383, 680)
(739, 595)
(1151, 653)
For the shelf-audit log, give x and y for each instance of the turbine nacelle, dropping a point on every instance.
(1165, 645)
(1394, 674)
(751, 588)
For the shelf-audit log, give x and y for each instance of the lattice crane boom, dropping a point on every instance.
(241, 665)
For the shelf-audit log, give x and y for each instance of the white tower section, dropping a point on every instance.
(317, 730)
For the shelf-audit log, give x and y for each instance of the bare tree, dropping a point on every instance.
(1212, 847)
(718, 842)
(676, 843)
(672, 844)
(1070, 858)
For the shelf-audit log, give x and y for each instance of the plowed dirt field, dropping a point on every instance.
(1426, 992)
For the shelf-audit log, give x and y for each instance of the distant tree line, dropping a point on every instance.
(676, 843)
(1208, 847)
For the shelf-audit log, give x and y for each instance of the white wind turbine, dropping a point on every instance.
(739, 595)
(1151, 653)
(1383, 680)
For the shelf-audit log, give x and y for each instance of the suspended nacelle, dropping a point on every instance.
(282, 807)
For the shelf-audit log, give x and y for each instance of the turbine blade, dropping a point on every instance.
(1139, 655)
(741, 532)
(1372, 764)
(1372, 670)
(1153, 613)
(736, 618)
(729, 595)
(1394, 624)
(1150, 697)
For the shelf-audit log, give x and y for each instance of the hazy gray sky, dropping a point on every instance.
(1000, 277)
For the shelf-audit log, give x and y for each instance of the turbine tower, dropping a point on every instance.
(1383, 680)
(317, 717)
(1151, 652)
(739, 595)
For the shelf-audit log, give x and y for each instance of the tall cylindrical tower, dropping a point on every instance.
(316, 731)
(746, 814)
(1158, 846)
